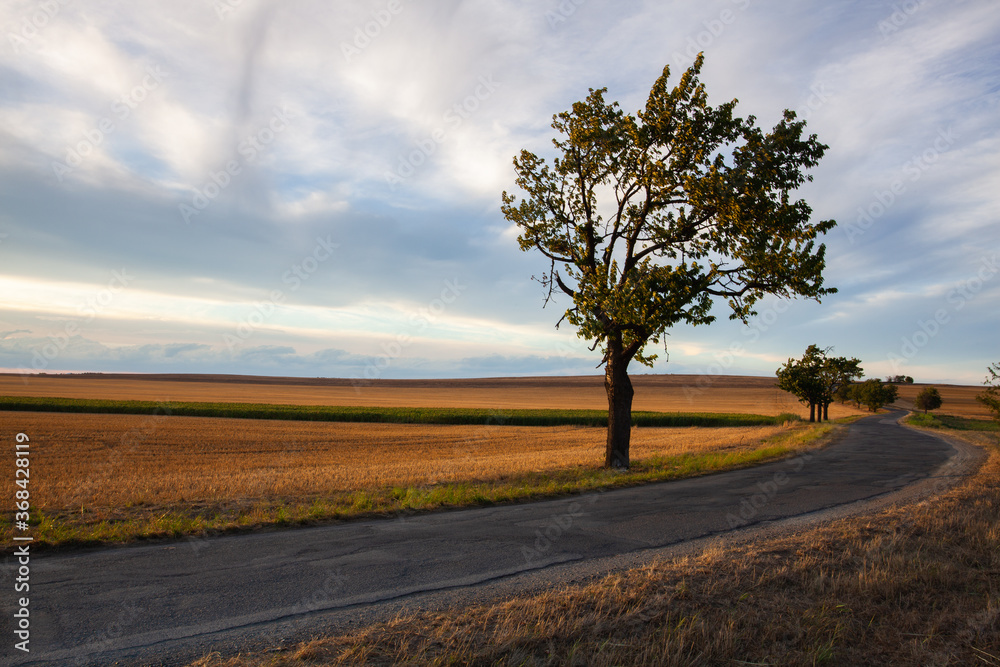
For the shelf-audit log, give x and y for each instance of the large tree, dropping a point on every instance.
(646, 218)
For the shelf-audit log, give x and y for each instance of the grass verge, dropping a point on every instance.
(96, 526)
(392, 415)
(933, 421)
(911, 585)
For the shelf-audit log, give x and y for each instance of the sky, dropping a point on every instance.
(307, 188)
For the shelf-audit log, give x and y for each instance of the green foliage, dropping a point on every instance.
(875, 394)
(925, 420)
(801, 376)
(953, 422)
(929, 398)
(695, 204)
(991, 397)
(698, 205)
(837, 372)
(816, 379)
(392, 415)
(899, 379)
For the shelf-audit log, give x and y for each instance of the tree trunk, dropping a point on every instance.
(812, 412)
(826, 412)
(620, 393)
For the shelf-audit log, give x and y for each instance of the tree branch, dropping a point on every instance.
(563, 286)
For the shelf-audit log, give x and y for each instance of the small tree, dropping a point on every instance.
(991, 397)
(899, 379)
(875, 394)
(929, 398)
(854, 394)
(856, 390)
(816, 378)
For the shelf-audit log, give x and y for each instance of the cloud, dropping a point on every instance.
(502, 366)
(281, 124)
(77, 353)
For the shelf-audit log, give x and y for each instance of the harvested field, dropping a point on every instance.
(956, 399)
(657, 393)
(124, 460)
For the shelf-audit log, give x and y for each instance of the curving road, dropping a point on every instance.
(166, 604)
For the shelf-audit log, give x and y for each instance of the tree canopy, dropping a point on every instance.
(645, 219)
(875, 394)
(816, 379)
(991, 396)
(929, 398)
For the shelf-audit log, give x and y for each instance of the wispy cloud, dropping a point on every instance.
(397, 138)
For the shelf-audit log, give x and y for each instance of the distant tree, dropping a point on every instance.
(929, 398)
(845, 393)
(874, 394)
(816, 378)
(991, 397)
(855, 393)
(645, 219)
(899, 379)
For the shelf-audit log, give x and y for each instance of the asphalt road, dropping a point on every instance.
(169, 603)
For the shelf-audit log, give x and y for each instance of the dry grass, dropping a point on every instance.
(658, 393)
(117, 477)
(918, 585)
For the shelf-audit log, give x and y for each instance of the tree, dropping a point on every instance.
(991, 396)
(816, 379)
(875, 394)
(801, 378)
(929, 398)
(845, 393)
(695, 204)
(835, 373)
(899, 379)
(854, 394)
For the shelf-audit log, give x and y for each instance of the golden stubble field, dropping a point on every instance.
(658, 393)
(956, 399)
(95, 461)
